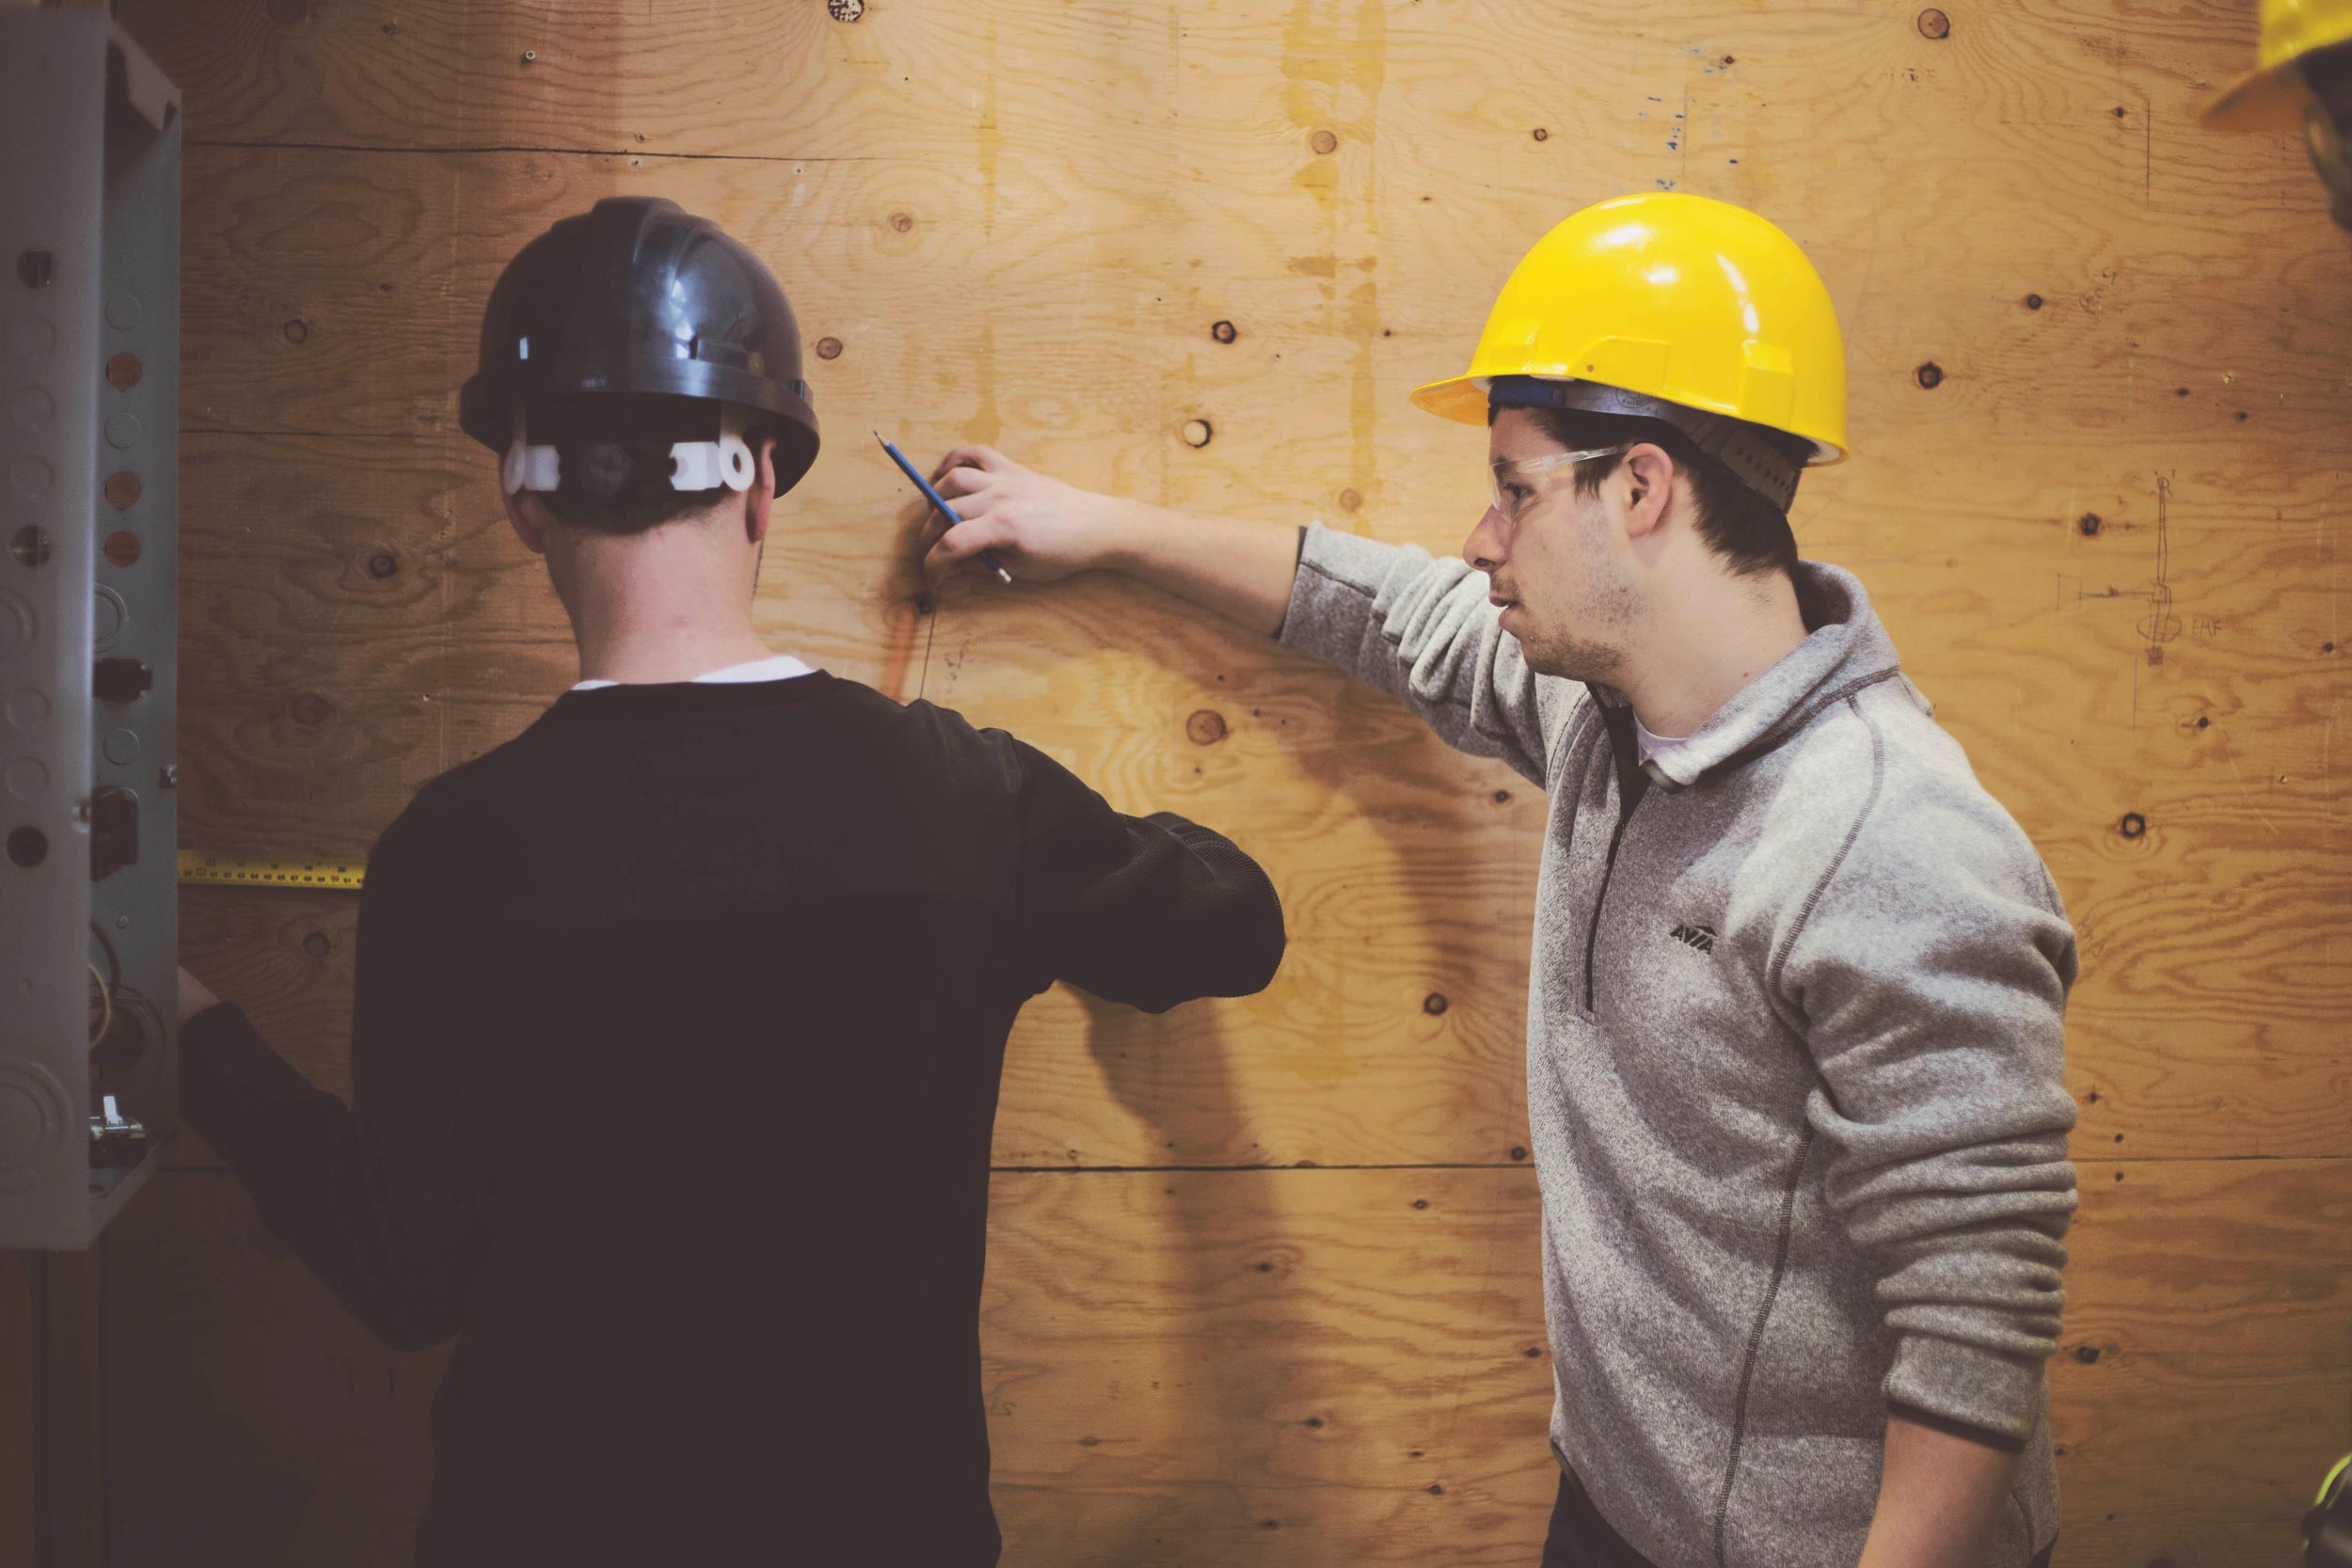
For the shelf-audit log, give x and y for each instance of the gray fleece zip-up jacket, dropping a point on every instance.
(1793, 1052)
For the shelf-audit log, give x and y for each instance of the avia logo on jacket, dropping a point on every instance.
(1700, 937)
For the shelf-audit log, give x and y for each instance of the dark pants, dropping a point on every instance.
(1580, 1538)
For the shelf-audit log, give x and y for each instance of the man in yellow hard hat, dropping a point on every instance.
(2303, 83)
(1798, 983)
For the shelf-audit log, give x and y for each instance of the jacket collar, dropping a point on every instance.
(1846, 651)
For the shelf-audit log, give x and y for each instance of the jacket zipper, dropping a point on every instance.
(1592, 932)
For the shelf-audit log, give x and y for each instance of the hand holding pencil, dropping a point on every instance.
(1007, 514)
(942, 512)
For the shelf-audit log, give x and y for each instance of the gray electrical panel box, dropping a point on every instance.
(90, 398)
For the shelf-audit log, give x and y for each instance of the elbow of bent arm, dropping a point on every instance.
(1247, 939)
(1232, 947)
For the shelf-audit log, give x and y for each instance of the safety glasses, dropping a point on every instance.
(1518, 485)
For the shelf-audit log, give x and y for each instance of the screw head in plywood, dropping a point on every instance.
(1197, 432)
(1935, 25)
(845, 10)
(1323, 142)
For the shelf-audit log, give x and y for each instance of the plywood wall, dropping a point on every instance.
(1263, 1285)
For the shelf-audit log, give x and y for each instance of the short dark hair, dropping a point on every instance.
(1746, 531)
(628, 437)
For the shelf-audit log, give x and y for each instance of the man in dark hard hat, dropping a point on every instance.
(680, 1016)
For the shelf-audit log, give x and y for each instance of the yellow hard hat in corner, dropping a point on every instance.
(2271, 97)
(1673, 298)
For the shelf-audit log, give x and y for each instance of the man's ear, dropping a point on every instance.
(530, 525)
(761, 496)
(1649, 475)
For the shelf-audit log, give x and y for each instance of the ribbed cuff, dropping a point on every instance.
(1956, 1429)
(2000, 1396)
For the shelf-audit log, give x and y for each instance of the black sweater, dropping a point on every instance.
(675, 1060)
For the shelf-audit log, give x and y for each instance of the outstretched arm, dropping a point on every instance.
(1044, 530)
(1420, 628)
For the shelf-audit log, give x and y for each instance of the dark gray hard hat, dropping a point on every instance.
(635, 299)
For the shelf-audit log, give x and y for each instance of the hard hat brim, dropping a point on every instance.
(1460, 399)
(2264, 100)
(1463, 399)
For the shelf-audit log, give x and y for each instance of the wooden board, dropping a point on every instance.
(1222, 1366)
(2108, 539)
(406, 631)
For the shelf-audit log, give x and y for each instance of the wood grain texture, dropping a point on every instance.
(2203, 1382)
(1223, 1367)
(2109, 540)
(353, 687)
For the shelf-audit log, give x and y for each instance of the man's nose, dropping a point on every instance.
(1484, 549)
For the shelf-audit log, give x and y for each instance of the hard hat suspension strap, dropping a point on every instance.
(1734, 443)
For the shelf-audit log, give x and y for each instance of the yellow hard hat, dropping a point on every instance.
(2271, 97)
(1677, 300)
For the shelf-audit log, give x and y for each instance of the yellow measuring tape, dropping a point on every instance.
(198, 865)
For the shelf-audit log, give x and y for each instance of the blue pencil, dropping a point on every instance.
(988, 558)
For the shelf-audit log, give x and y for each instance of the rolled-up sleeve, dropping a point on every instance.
(1932, 986)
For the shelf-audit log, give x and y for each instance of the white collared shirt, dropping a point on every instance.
(1647, 746)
